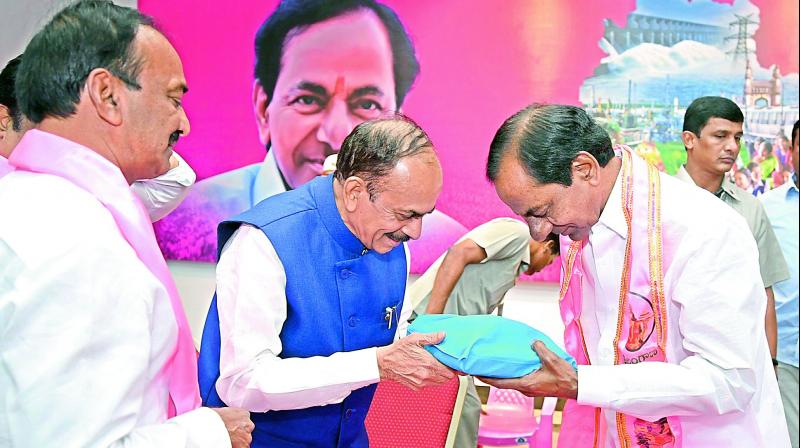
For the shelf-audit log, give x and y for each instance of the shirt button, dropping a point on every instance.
(352, 321)
(345, 273)
(348, 413)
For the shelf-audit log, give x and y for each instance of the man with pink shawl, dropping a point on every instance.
(663, 314)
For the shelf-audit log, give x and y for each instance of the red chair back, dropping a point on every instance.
(400, 416)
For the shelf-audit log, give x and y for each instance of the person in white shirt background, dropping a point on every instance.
(94, 345)
(669, 338)
(159, 196)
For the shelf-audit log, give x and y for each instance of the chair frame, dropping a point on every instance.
(457, 407)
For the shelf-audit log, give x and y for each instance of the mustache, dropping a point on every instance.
(399, 237)
(173, 138)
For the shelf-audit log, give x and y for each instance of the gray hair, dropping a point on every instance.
(375, 147)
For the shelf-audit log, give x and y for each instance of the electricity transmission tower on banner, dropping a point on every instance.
(742, 36)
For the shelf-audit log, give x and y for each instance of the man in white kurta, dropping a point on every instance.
(85, 328)
(721, 383)
(715, 385)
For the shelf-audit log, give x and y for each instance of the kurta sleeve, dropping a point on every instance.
(252, 307)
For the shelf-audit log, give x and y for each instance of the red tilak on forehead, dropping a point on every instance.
(339, 87)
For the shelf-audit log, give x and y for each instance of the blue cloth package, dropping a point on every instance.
(485, 345)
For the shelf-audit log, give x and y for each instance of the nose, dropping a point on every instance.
(732, 144)
(185, 127)
(414, 228)
(539, 228)
(336, 125)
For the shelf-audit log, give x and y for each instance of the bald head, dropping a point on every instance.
(374, 148)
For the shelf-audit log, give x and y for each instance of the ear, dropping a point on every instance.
(260, 103)
(585, 169)
(689, 140)
(6, 122)
(352, 189)
(105, 92)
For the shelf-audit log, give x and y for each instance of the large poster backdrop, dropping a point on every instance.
(635, 65)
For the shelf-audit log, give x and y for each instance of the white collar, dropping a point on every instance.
(268, 181)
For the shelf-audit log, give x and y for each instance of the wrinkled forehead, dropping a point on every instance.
(414, 183)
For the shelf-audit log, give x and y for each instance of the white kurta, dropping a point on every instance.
(251, 301)
(85, 328)
(720, 380)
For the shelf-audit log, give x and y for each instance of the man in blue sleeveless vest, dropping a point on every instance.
(310, 290)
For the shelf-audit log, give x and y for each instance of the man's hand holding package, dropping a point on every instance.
(408, 363)
(556, 377)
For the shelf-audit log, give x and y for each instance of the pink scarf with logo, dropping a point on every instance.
(642, 318)
(41, 152)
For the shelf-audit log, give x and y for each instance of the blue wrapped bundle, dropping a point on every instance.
(485, 345)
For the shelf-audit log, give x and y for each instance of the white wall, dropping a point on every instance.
(535, 304)
(21, 19)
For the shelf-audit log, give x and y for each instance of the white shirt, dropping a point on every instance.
(85, 329)
(720, 380)
(251, 302)
(164, 193)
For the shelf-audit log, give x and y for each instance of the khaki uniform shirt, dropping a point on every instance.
(482, 286)
(770, 258)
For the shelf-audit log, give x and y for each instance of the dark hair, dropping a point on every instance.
(795, 128)
(299, 14)
(707, 107)
(555, 248)
(84, 36)
(767, 147)
(546, 139)
(7, 96)
(375, 147)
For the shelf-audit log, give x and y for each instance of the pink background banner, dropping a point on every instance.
(480, 62)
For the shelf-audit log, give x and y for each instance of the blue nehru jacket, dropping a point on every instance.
(337, 294)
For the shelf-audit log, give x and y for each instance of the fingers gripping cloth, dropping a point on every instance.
(485, 345)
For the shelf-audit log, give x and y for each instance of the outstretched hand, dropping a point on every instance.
(408, 363)
(556, 377)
